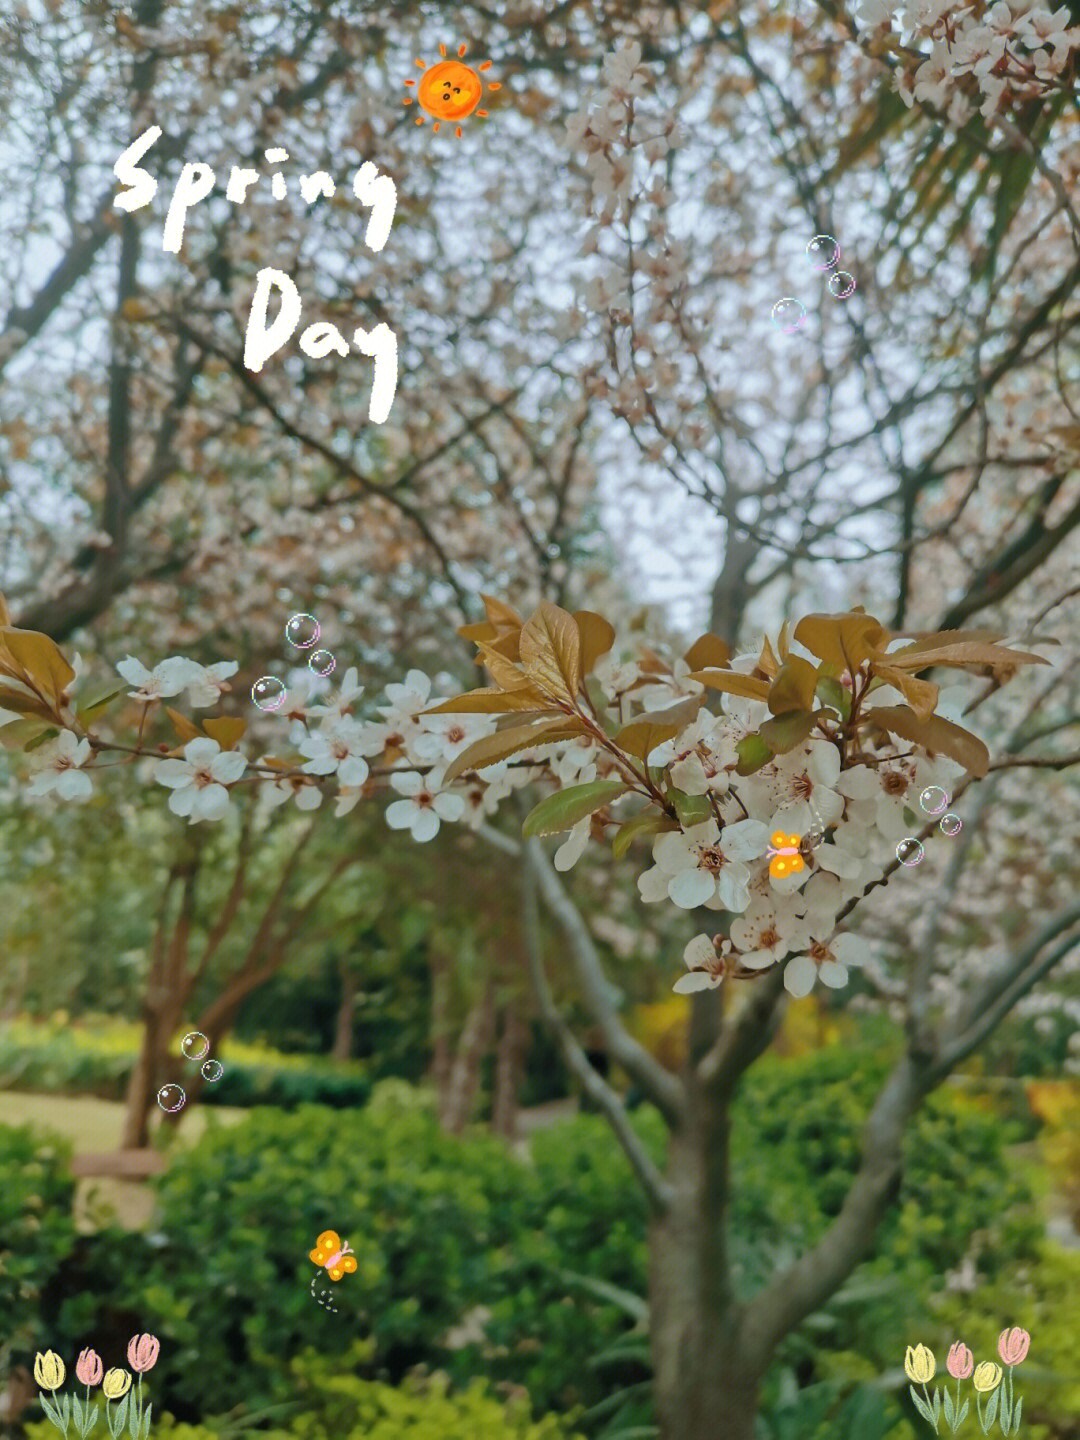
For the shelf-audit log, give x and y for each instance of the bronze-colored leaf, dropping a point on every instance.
(708, 652)
(227, 730)
(5, 613)
(493, 748)
(597, 637)
(969, 653)
(490, 701)
(551, 652)
(921, 695)
(767, 663)
(794, 686)
(733, 682)
(182, 725)
(25, 704)
(641, 737)
(936, 734)
(504, 672)
(845, 640)
(40, 660)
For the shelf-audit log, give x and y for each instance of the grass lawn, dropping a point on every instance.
(93, 1126)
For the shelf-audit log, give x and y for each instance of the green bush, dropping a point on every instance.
(95, 1058)
(37, 1231)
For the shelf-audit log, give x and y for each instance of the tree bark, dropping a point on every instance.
(509, 1064)
(465, 1073)
(343, 1027)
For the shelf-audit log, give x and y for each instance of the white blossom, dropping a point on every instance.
(424, 805)
(198, 782)
(58, 769)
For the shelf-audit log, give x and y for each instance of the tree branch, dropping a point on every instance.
(657, 1191)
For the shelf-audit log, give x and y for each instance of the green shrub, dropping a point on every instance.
(95, 1058)
(37, 1231)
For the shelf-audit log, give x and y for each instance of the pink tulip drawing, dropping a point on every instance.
(142, 1352)
(1013, 1345)
(961, 1361)
(89, 1368)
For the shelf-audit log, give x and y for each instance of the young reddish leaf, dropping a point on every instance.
(493, 748)
(935, 734)
(844, 640)
(708, 652)
(597, 637)
(785, 732)
(565, 808)
(794, 686)
(227, 730)
(551, 651)
(733, 682)
(182, 725)
(753, 753)
(648, 822)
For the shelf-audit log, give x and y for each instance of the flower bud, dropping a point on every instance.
(143, 1352)
(961, 1362)
(116, 1384)
(919, 1364)
(1013, 1345)
(49, 1370)
(987, 1377)
(89, 1368)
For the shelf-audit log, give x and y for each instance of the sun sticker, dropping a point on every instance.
(450, 90)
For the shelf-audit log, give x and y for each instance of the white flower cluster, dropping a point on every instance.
(986, 56)
(842, 823)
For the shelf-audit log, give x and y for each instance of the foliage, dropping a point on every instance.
(37, 1231)
(96, 1058)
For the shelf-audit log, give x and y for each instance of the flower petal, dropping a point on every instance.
(799, 976)
(691, 888)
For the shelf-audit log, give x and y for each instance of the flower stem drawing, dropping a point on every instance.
(995, 1399)
(123, 1406)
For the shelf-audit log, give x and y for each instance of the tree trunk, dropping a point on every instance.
(509, 1064)
(343, 1028)
(465, 1072)
(702, 1386)
(148, 1071)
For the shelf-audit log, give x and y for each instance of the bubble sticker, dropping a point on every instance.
(910, 851)
(212, 1070)
(950, 824)
(194, 1045)
(789, 314)
(171, 1098)
(841, 285)
(302, 631)
(322, 662)
(269, 692)
(934, 800)
(823, 252)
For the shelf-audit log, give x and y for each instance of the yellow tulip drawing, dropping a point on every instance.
(919, 1364)
(116, 1384)
(987, 1377)
(49, 1370)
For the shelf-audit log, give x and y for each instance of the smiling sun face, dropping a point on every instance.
(450, 90)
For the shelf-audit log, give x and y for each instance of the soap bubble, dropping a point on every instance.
(171, 1098)
(302, 631)
(212, 1070)
(268, 692)
(934, 799)
(322, 662)
(950, 824)
(841, 284)
(909, 851)
(195, 1045)
(823, 251)
(789, 314)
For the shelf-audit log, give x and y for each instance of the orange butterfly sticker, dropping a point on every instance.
(785, 858)
(335, 1256)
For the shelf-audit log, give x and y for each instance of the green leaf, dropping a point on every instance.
(642, 737)
(991, 1409)
(921, 1405)
(565, 808)
(785, 732)
(1016, 1415)
(753, 753)
(92, 708)
(964, 1408)
(1005, 1413)
(793, 688)
(691, 809)
(146, 1422)
(649, 822)
(937, 1407)
(950, 1410)
(121, 1412)
(18, 734)
(835, 695)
